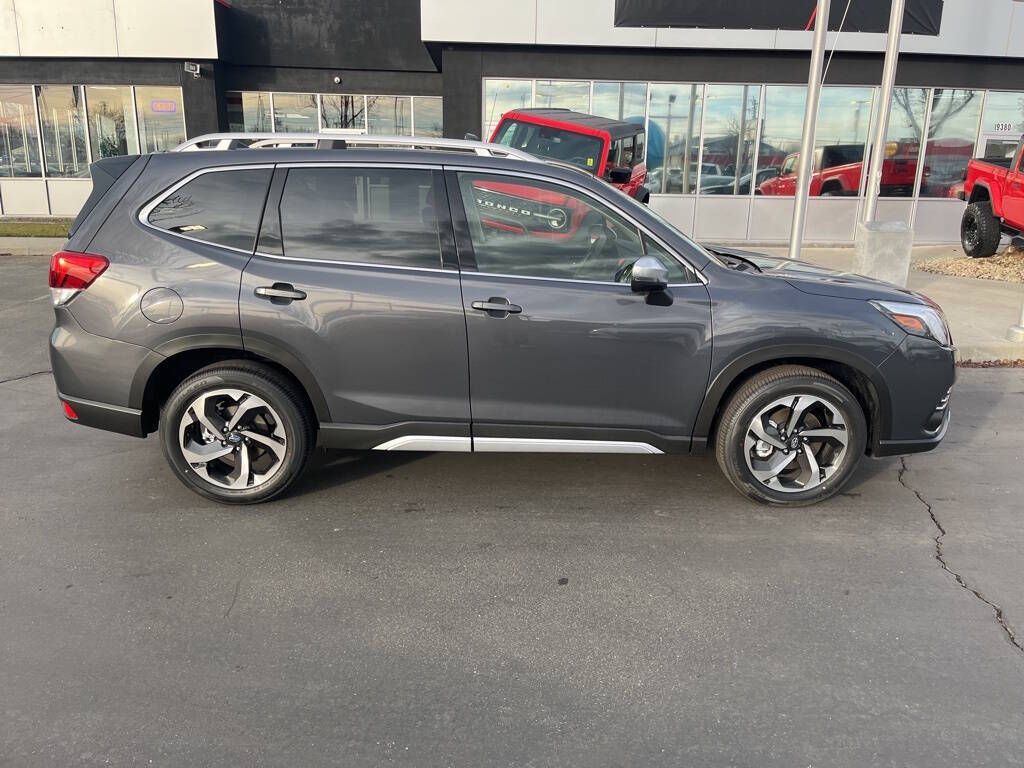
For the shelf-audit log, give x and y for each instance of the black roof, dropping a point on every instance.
(617, 129)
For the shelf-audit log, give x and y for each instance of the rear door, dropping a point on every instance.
(562, 354)
(349, 281)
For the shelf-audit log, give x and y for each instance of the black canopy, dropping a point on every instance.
(922, 17)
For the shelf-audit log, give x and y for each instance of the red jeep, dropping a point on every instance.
(994, 190)
(610, 149)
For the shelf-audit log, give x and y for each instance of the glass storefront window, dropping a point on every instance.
(62, 114)
(952, 130)
(343, 112)
(388, 115)
(673, 137)
(844, 115)
(1004, 113)
(620, 101)
(111, 121)
(903, 141)
(500, 96)
(248, 111)
(295, 113)
(730, 130)
(19, 135)
(161, 119)
(564, 94)
(427, 116)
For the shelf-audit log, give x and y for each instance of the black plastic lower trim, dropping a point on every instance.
(903, 447)
(112, 418)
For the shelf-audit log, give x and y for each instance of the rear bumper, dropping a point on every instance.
(94, 375)
(112, 418)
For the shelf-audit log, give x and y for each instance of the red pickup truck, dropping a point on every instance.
(994, 191)
(837, 171)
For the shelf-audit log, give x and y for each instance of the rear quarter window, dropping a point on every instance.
(221, 207)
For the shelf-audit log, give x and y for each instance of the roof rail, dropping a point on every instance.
(215, 141)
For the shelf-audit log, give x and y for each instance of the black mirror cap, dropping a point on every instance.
(620, 175)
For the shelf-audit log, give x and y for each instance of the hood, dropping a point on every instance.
(822, 281)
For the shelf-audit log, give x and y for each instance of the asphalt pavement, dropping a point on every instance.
(501, 610)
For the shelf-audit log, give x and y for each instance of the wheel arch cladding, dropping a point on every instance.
(859, 376)
(154, 383)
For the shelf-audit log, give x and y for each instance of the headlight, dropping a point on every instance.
(918, 319)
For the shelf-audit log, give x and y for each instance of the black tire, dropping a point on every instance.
(759, 392)
(979, 231)
(291, 417)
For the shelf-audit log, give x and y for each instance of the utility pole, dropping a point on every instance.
(892, 53)
(803, 185)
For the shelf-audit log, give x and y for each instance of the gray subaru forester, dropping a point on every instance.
(253, 302)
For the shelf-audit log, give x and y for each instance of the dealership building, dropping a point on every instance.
(722, 108)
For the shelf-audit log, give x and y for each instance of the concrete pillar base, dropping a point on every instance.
(882, 251)
(1016, 333)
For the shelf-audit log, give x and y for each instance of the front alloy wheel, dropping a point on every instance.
(790, 435)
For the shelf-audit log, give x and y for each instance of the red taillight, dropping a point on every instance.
(75, 271)
(69, 411)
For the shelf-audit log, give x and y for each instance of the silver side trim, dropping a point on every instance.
(538, 445)
(427, 443)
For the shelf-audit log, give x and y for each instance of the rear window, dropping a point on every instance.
(361, 215)
(219, 207)
(554, 143)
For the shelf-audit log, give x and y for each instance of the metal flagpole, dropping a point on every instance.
(810, 119)
(892, 53)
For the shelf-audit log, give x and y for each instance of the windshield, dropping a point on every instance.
(554, 143)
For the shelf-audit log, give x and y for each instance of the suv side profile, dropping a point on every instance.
(249, 305)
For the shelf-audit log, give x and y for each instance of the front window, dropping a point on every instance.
(525, 227)
(560, 144)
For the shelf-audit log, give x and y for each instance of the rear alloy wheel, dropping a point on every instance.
(791, 435)
(238, 433)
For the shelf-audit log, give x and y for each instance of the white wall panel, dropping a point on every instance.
(68, 195)
(172, 30)
(894, 209)
(66, 27)
(969, 28)
(184, 29)
(770, 218)
(831, 219)
(8, 30)
(721, 218)
(938, 221)
(479, 21)
(582, 22)
(24, 197)
(678, 209)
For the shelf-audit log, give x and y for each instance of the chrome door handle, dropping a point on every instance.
(497, 306)
(280, 292)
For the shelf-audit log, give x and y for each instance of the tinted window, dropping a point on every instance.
(375, 216)
(531, 228)
(556, 143)
(221, 207)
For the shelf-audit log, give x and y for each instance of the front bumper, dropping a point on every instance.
(919, 376)
(94, 375)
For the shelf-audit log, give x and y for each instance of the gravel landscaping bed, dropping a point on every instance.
(1007, 266)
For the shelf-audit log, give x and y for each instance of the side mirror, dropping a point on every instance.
(471, 137)
(648, 275)
(620, 175)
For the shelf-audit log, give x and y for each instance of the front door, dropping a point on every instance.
(562, 354)
(348, 281)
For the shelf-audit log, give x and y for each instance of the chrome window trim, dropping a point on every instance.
(147, 209)
(339, 262)
(701, 279)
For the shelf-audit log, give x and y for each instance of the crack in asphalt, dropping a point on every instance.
(25, 376)
(940, 556)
